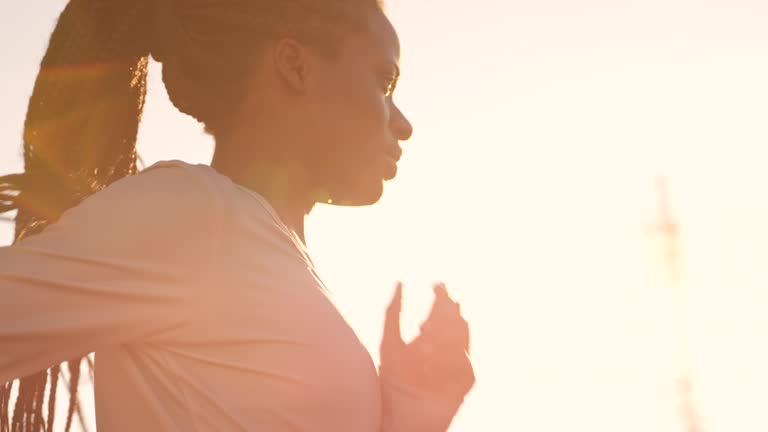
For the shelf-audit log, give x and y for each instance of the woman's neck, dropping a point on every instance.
(285, 187)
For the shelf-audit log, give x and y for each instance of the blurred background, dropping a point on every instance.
(588, 178)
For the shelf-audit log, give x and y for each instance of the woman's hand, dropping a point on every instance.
(437, 360)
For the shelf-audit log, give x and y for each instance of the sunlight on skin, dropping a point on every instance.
(528, 188)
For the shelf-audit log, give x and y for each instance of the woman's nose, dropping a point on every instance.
(401, 127)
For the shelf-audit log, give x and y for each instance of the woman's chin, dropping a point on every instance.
(363, 193)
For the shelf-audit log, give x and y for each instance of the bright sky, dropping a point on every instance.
(528, 187)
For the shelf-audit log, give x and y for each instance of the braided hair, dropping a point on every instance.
(85, 109)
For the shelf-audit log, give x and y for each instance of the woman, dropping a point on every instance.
(191, 283)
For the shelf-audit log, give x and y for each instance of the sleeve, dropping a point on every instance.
(124, 264)
(409, 409)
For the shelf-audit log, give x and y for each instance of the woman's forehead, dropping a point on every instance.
(384, 33)
(380, 41)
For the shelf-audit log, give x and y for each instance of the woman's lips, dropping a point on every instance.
(390, 167)
(395, 153)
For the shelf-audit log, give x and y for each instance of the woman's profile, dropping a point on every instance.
(192, 283)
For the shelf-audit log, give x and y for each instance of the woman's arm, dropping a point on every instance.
(122, 265)
(406, 408)
(424, 382)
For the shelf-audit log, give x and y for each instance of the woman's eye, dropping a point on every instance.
(388, 85)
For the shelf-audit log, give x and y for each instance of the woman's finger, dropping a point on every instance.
(392, 333)
(443, 307)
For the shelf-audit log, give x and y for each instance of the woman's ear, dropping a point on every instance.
(292, 63)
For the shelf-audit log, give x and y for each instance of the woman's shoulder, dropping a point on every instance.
(165, 187)
(185, 193)
(167, 195)
(174, 177)
(173, 200)
(164, 214)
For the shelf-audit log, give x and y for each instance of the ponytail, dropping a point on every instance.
(79, 136)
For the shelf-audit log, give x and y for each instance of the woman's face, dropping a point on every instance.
(356, 125)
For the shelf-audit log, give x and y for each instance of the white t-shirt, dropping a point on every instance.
(204, 311)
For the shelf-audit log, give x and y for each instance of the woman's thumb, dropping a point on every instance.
(392, 318)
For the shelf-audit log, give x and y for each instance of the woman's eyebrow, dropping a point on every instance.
(390, 66)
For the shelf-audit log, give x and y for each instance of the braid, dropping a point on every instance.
(52, 397)
(5, 395)
(38, 421)
(74, 377)
(19, 409)
(79, 136)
